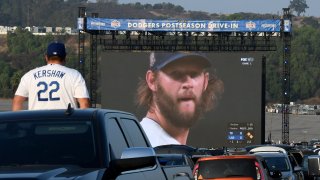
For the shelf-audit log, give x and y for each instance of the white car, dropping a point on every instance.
(278, 160)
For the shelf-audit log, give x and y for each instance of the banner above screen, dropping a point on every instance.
(184, 25)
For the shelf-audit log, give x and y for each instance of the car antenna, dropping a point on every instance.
(69, 110)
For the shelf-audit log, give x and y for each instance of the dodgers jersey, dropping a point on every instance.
(52, 86)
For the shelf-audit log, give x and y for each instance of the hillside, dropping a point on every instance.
(56, 13)
(22, 51)
(64, 13)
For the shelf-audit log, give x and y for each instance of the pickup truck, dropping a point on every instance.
(80, 144)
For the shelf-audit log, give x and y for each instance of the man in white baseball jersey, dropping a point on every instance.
(52, 86)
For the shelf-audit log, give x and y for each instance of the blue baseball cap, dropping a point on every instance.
(158, 60)
(56, 49)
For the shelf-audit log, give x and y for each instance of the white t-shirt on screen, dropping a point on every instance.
(156, 134)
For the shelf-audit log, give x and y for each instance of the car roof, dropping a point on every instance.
(222, 157)
(270, 154)
(54, 114)
(268, 149)
(284, 146)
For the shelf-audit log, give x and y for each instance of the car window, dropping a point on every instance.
(117, 139)
(227, 168)
(298, 157)
(134, 132)
(51, 142)
(292, 161)
(277, 163)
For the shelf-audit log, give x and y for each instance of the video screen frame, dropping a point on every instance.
(239, 112)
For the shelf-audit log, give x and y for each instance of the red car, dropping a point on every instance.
(228, 167)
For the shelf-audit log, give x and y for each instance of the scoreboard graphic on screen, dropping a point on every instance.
(240, 133)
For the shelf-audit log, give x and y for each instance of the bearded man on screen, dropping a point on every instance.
(177, 90)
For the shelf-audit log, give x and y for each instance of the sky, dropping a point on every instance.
(235, 6)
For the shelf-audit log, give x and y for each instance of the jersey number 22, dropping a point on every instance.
(52, 87)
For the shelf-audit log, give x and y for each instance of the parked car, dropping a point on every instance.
(87, 144)
(305, 167)
(278, 160)
(311, 166)
(295, 155)
(297, 168)
(191, 153)
(230, 167)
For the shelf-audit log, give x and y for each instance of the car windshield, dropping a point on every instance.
(51, 143)
(227, 168)
(277, 163)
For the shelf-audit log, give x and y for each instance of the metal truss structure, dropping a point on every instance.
(286, 37)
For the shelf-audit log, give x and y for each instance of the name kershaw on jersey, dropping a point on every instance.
(48, 73)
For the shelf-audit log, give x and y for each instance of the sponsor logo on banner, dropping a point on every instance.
(250, 25)
(115, 24)
(273, 26)
(94, 23)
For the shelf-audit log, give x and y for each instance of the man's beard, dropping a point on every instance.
(170, 110)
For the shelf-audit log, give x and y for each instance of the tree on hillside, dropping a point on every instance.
(299, 6)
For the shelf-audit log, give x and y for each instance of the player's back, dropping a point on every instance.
(52, 86)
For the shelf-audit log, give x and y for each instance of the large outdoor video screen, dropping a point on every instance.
(237, 121)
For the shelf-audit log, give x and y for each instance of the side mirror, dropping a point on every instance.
(276, 174)
(314, 165)
(131, 159)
